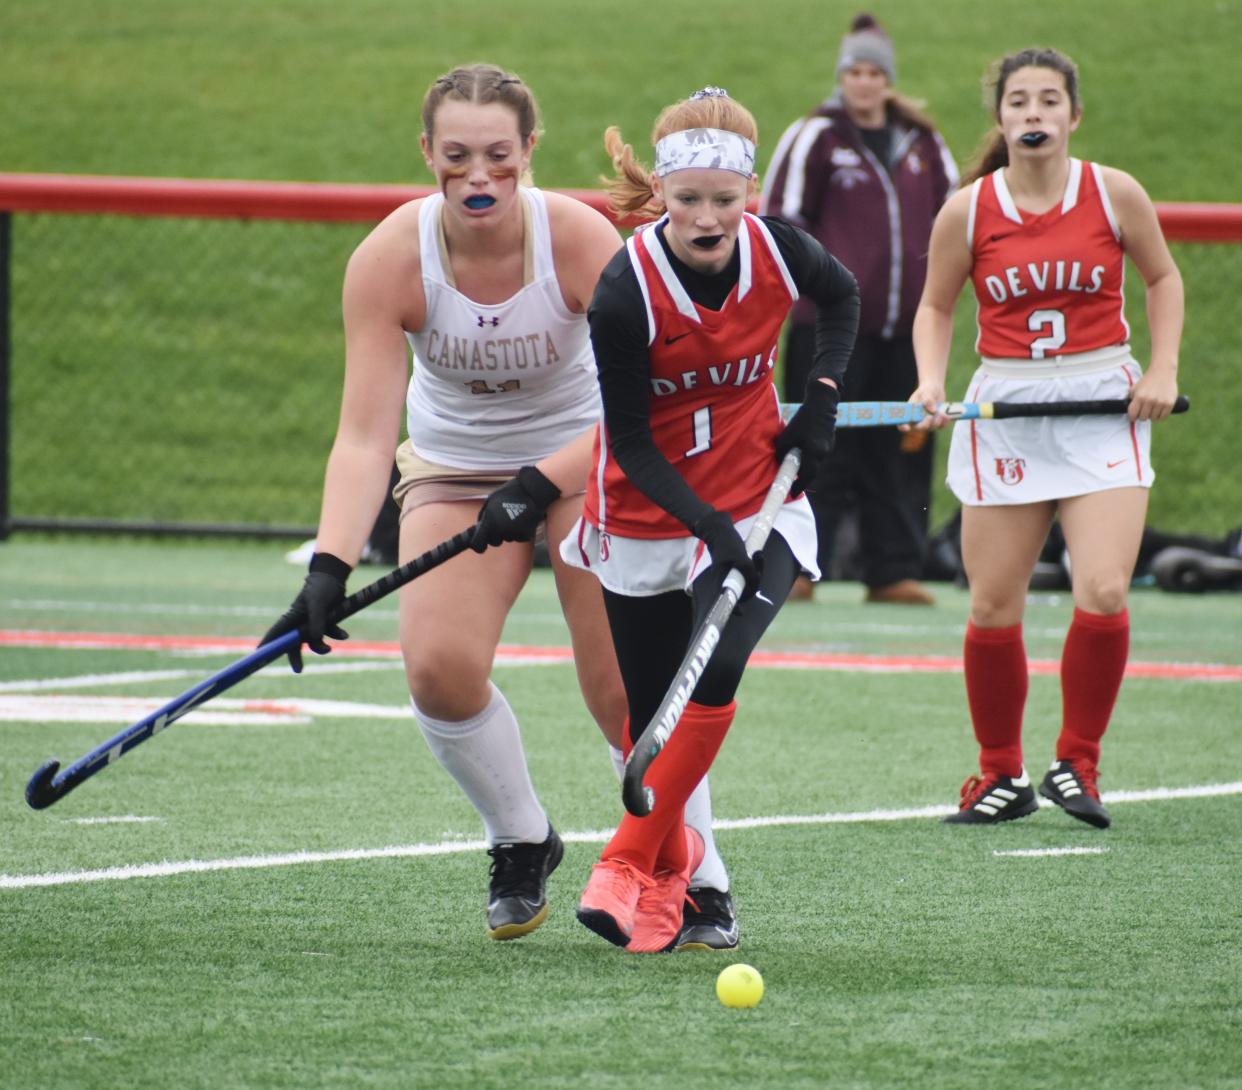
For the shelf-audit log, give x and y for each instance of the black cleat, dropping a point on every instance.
(1071, 785)
(517, 900)
(992, 798)
(708, 921)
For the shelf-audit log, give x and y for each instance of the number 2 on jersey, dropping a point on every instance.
(1054, 322)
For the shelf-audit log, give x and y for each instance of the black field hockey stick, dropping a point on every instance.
(48, 784)
(638, 798)
(876, 414)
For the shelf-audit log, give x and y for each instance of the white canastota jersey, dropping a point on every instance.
(497, 386)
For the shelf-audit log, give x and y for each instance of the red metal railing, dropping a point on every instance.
(319, 201)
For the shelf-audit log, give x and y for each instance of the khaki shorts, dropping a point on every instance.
(422, 482)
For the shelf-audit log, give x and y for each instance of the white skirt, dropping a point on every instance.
(640, 567)
(1032, 459)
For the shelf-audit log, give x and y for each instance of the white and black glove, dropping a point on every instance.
(514, 511)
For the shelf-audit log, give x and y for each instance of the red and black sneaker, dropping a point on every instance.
(1072, 786)
(992, 798)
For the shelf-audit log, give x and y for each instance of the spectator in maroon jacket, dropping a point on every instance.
(865, 173)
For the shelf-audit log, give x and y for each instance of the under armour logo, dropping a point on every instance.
(487, 321)
(514, 510)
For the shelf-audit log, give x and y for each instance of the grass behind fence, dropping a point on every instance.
(190, 370)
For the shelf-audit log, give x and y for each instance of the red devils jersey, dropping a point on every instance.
(714, 409)
(1047, 285)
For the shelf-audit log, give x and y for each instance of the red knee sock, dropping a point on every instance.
(996, 684)
(1093, 663)
(671, 853)
(657, 841)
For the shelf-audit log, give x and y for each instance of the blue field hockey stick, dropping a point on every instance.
(48, 784)
(877, 414)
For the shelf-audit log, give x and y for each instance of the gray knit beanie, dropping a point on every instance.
(866, 43)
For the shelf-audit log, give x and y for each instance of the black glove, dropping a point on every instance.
(321, 593)
(717, 532)
(811, 430)
(514, 511)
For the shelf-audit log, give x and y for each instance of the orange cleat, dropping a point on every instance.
(610, 899)
(658, 918)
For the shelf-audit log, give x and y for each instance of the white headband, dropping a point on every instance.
(704, 149)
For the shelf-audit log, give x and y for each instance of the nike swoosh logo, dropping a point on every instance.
(670, 340)
(1114, 465)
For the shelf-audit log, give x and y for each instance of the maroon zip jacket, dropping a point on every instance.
(824, 179)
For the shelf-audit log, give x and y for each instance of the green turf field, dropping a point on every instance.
(201, 947)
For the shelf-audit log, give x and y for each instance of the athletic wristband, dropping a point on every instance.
(330, 565)
(538, 487)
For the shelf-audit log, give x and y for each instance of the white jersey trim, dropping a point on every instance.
(775, 251)
(631, 247)
(1105, 201)
(1073, 186)
(745, 272)
(681, 298)
(1004, 198)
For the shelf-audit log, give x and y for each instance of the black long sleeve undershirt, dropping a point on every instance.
(618, 322)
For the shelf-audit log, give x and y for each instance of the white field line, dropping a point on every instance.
(56, 708)
(404, 851)
(1032, 853)
(91, 681)
(124, 819)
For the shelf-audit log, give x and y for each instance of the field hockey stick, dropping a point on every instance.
(638, 798)
(875, 414)
(48, 785)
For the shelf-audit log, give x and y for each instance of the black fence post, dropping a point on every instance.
(6, 239)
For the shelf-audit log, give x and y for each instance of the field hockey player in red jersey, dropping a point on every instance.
(1042, 237)
(685, 323)
(486, 283)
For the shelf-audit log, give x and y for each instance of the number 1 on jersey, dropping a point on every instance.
(702, 431)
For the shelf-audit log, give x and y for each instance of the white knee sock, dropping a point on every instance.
(711, 871)
(485, 756)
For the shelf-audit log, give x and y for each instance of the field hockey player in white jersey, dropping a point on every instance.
(487, 282)
(1043, 237)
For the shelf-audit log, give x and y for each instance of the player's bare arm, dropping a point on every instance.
(382, 297)
(948, 267)
(1145, 245)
